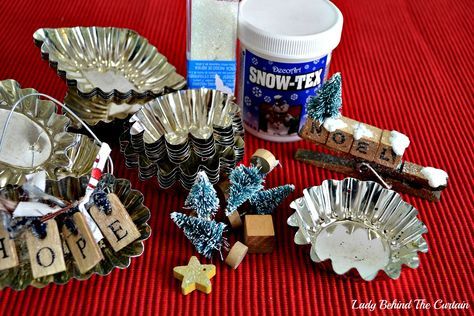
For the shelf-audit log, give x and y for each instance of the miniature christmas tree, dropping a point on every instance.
(203, 197)
(244, 182)
(206, 236)
(264, 202)
(328, 102)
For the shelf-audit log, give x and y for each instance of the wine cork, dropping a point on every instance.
(264, 159)
(236, 255)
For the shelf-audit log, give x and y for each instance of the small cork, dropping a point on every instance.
(234, 219)
(236, 255)
(264, 159)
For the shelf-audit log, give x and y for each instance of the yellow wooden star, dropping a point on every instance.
(195, 276)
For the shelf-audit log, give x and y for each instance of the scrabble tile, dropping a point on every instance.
(366, 141)
(8, 254)
(46, 255)
(385, 155)
(342, 137)
(259, 235)
(314, 131)
(117, 227)
(84, 249)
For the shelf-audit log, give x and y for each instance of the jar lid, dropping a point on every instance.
(296, 29)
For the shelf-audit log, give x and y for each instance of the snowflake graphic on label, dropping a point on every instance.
(254, 61)
(267, 99)
(308, 98)
(270, 62)
(247, 101)
(306, 66)
(294, 97)
(257, 92)
(316, 61)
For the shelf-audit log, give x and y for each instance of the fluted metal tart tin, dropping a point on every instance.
(179, 134)
(36, 139)
(359, 225)
(72, 189)
(107, 62)
(110, 71)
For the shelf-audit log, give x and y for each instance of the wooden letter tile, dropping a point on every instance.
(367, 145)
(259, 235)
(8, 254)
(385, 155)
(46, 255)
(314, 131)
(341, 139)
(118, 226)
(84, 249)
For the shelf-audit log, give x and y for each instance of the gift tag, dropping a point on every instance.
(46, 255)
(8, 255)
(118, 226)
(84, 249)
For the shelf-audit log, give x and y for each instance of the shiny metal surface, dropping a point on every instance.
(36, 139)
(358, 224)
(179, 134)
(71, 189)
(107, 62)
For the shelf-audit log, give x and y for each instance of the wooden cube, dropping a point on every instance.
(342, 138)
(259, 235)
(234, 219)
(314, 131)
(366, 141)
(385, 155)
(236, 255)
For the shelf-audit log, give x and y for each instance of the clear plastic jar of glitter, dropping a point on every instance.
(211, 44)
(285, 52)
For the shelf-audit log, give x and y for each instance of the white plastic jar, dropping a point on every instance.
(285, 52)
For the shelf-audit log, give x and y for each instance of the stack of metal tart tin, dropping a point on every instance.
(179, 134)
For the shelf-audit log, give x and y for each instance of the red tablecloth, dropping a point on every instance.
(406, 65)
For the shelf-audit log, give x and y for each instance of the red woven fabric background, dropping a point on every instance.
(406, 65)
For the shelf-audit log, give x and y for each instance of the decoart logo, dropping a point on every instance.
(285, 82)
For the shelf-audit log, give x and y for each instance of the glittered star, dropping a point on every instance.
(195, 276)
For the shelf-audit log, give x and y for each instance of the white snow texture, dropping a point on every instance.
(331, 124)
(399, 142)
(361, 131)
(435, 177)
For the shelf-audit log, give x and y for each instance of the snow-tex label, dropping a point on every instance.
(274, 94)
(212, 74)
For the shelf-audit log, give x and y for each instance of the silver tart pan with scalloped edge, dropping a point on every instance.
(36, 139)
(359, 225)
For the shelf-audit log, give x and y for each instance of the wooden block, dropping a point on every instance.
(341, 138)
(118, 226)
(46, 255)
(264, 159)
(236, 255)
(8, 254)
(259, 235)
(314, 131)
(84, 249)
(235, 220)
(366, 141)
(385, 155)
